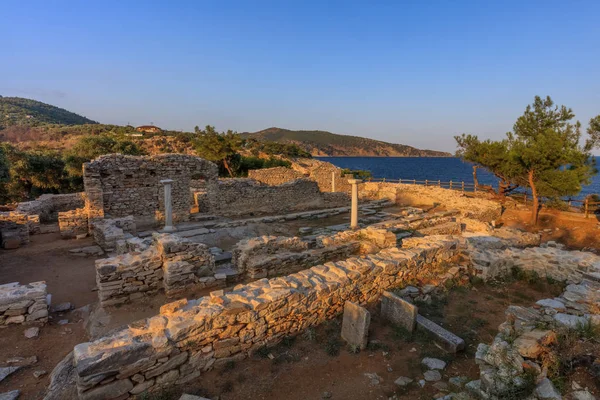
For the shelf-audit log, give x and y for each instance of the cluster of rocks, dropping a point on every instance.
(171, 263)
(23, 303)
(118, 185)
(192, 336)
(518, 359)
(371, 239)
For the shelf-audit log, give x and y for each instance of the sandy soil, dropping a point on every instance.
(571, 229)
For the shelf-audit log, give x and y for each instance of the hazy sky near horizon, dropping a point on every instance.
(408, 72)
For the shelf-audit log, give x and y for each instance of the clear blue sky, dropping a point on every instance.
(414, 72)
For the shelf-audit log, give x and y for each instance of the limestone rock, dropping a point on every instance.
(545, 390)
(432, 375)
(355, 325)
(433, 363)
(403, 381)
(12, 395)
(32, 332)
(6, 371)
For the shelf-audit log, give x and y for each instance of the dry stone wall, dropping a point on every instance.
(73, 223)
(23, 303)
(275, 176)
(236, 197)
(270, 256)
(118, 185)
(185, 264)
(323, 175)
(190, 337)
(14, 229)
(171, 263)
(47, 206)
(107, 232)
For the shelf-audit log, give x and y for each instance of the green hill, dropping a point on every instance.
(26, 112)
(322, 143)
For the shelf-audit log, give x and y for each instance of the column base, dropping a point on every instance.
(168, 229)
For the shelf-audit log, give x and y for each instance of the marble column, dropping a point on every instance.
(354, 212)
(333, 181)
(168, 206)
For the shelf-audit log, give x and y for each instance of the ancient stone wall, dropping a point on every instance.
(235, 197)
(323, 175)
(23, 303)
(169, 262)
(47, 206)
(107, 232)
(470, 206)
(73, 223)
(269, 256)
(128, 277)
(185, 264)
(370, 239)
(14, 229)
(190, 337)
(118, 185)
(275, 176)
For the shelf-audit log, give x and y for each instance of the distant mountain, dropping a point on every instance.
(26, 112)
(322, 143)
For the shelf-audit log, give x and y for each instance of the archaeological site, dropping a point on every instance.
(163, 281)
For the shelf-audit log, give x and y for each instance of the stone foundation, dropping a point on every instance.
(47, 206)
(14, 229)
(107, 232)
(469, 205)
(21, 304)
(170, 263)
(73, 223)
(189, 337)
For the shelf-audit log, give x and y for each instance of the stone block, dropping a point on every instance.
(448, 340)
(398, 311)
(355, 325)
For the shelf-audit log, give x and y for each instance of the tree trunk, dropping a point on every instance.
(226, 165)
(536, 201)
(475, 180)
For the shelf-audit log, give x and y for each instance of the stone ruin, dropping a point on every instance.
(20, 304)
(119, 186)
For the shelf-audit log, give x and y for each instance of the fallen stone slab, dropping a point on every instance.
(12, 395)
(398, 311)
(448, 340)
(62, 307)
(6, 371)
(355, 325)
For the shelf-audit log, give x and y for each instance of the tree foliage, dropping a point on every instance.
(543, 152)
(89, 147)
(217, 147)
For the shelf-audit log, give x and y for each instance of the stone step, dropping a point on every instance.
(223, 258)
(202, 217)
(448, 340)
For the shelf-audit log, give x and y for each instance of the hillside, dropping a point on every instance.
(17, 111)
(322, 143)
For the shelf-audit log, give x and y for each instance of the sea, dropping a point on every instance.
(433, 168)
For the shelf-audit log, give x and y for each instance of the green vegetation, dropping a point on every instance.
(19, 111)
(542, 153)
(26, 174)
(327, 143)
(358, 173)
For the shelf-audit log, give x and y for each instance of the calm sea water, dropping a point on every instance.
(444, 169)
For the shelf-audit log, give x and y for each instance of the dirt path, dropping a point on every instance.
(47, 258)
